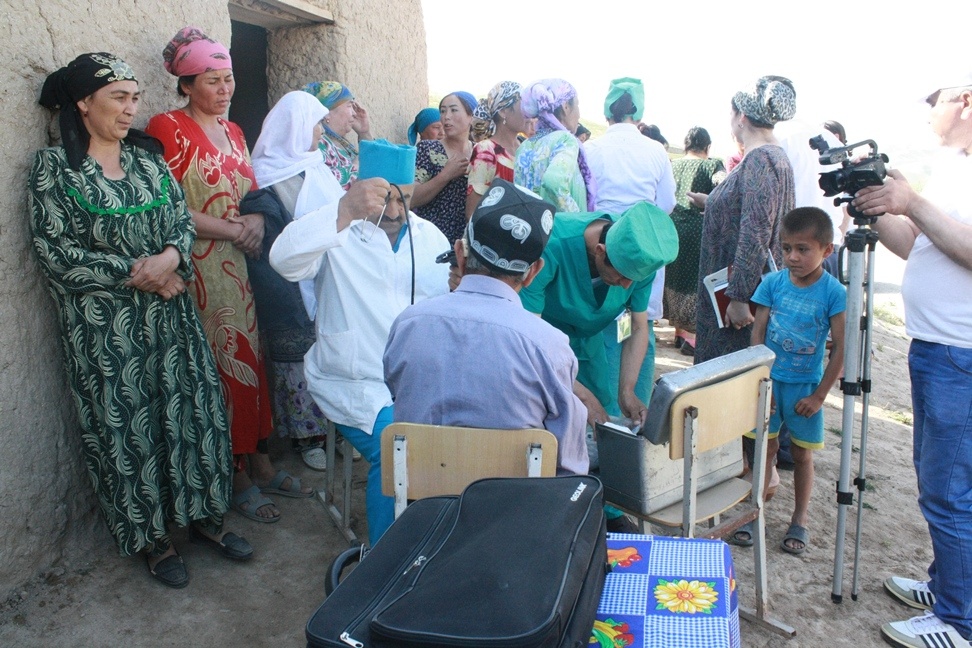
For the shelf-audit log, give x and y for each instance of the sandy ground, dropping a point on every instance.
(104, 600)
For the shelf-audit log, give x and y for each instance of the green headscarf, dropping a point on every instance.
(634, 88)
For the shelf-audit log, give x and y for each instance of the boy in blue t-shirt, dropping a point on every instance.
(795, 308)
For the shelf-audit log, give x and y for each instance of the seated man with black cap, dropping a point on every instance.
(475, 357)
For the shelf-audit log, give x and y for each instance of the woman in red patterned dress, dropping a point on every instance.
(208, 157)
(493, 157)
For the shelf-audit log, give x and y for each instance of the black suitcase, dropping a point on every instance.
(509, 563)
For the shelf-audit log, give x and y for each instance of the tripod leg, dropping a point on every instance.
(861, 481)
(850, 385)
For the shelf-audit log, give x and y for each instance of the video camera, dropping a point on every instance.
(851, 177)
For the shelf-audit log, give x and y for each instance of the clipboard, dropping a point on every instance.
(715, 285)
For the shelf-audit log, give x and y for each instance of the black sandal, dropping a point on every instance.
(230, 546)
(170, 571)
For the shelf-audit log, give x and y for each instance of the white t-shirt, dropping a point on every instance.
(937, 291)
(794, 138)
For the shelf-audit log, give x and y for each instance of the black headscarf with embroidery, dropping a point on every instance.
(79, 79)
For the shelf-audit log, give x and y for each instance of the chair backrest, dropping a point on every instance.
(726, 410)
(443, 460)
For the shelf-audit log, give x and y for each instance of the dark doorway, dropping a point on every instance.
(249, 51)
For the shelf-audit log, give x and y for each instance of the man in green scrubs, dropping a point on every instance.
(598, 269)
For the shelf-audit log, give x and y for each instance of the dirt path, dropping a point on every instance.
(105, 600)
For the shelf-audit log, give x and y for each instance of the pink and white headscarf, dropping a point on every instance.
(191, 52)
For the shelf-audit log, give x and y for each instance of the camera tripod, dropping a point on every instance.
(860, 244)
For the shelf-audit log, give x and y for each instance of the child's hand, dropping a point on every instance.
(809, 406)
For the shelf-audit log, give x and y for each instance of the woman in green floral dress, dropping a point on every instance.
(114, 237)
(696, 173)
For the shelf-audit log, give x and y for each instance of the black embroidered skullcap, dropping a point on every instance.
(510, 227)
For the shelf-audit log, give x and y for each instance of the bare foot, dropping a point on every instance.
(241, 483)
(263, 473)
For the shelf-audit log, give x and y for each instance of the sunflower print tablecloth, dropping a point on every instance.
(667, 593)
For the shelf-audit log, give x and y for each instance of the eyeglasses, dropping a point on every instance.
(378, 224)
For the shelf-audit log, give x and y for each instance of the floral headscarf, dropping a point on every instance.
(773, 100)
(502, 96)
(329, 93)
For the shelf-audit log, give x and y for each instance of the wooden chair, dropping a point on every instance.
(420, 461)
(706, 418)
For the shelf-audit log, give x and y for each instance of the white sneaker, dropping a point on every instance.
(926, 631)
(315, 458)
(910, 592)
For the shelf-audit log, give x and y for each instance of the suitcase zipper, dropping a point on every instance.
(418, 561)
(354, 643)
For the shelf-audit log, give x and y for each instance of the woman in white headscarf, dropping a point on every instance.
(295, 181)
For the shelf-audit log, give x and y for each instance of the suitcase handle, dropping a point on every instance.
(341, 562)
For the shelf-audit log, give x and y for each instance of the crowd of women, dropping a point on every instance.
(184, 348)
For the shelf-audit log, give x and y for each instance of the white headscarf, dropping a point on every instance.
(283, 151)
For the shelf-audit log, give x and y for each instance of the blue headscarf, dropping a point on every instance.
(425, 118)
(467, 99)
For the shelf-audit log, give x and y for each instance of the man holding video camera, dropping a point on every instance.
(933, 231)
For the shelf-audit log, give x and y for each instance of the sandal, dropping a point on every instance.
(170, 571)
(743, 536)
(249, 502)
(275, 487)
(799, 534)
(230, 545)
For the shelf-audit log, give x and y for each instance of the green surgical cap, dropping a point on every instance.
(381, 159)
(641, 241)
(632, 87)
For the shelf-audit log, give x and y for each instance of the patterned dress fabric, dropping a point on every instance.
(489, 161)
(214, 184)
(154, 429)
(447, 211)
(548, 165)
(682, 275)
(341, 158)
(741, 228)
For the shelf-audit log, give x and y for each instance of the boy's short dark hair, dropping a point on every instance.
(809, 219)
